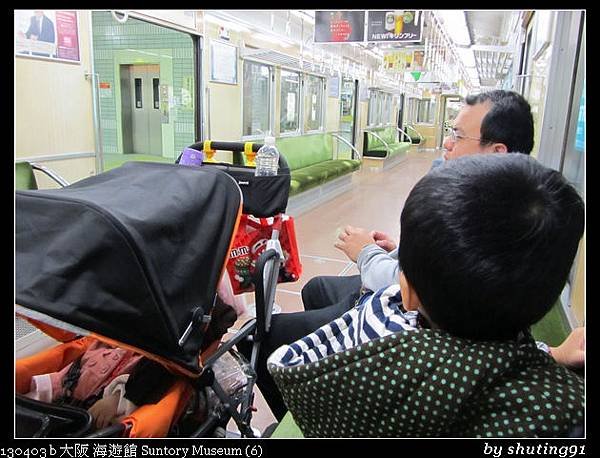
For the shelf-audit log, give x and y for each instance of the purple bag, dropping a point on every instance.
(191, 157)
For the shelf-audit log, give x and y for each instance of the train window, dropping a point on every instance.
(374, 105)
(426, 111)
(289, 118)
(387, 109)
(146, 75)
(257, 99)
(371, 114)
(380, 108)
(313, 102)
(138, 93)
(574, 155)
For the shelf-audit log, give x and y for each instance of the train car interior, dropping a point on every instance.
(151, 226)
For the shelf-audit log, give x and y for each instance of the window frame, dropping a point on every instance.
(271, 104)
(380, 108)
(303, 94)
(298, 131)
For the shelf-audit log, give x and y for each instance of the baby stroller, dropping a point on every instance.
(132, 257)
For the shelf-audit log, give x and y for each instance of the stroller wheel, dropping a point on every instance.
(219, 432)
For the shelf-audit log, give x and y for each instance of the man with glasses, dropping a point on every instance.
(491, 122)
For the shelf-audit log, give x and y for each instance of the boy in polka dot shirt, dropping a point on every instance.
(486, 245)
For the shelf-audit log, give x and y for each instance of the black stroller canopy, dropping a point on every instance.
(131, 254)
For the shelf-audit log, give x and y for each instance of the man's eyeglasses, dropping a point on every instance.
(455, 136)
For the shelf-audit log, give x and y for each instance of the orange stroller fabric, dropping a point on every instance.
(151, 420)
(154, 420)
(47, 361)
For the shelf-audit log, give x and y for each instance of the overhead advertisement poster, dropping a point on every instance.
(339, 26)
(403, 60)
(398, 25)
(47, 34)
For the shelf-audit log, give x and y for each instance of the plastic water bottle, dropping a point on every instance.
(267, 159)
(191, 157)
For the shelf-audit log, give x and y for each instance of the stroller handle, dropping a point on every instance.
(238, 147)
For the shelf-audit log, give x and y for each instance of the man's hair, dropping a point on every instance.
(509, 120)
(487, 242)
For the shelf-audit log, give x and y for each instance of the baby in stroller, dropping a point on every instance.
(139, 279)
(112, 382)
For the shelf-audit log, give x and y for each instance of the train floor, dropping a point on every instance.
(375, 201)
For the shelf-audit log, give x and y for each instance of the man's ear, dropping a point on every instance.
(499, 148)
(494, 148)
(410, 299)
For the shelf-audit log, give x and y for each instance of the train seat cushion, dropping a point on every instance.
(305, 150)
(320, 173)
(310, 158)
(287, 428)
(24, 177)
(374, 147)
(428, 383)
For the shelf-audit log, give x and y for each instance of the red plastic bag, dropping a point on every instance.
(250, 241)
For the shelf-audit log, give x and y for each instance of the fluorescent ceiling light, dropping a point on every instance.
(271, 39)
(226, 24)
(455, 24)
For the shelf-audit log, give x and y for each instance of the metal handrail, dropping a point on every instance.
(403, 133)
(421, 138)
(339, 137)
(387, 146)
(55, 176)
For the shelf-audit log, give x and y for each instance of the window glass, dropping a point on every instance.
(423, 112)
(257, 99)
(372, 109)
(574, 156)
(375, 106)
(313, 103)
(426, 111)
(387, 108)
(289, 118)
(147, 81)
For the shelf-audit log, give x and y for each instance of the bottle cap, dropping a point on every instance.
(269, 140)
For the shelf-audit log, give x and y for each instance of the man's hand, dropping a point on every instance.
(571, 353)
(352, 240)
(104, 411)
(383, 240)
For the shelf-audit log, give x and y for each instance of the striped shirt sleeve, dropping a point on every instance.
(376, 315)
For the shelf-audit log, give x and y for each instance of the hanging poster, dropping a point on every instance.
(223, 62)
(418, 60)
(47, 34)
(397, 25)
(339, 26)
